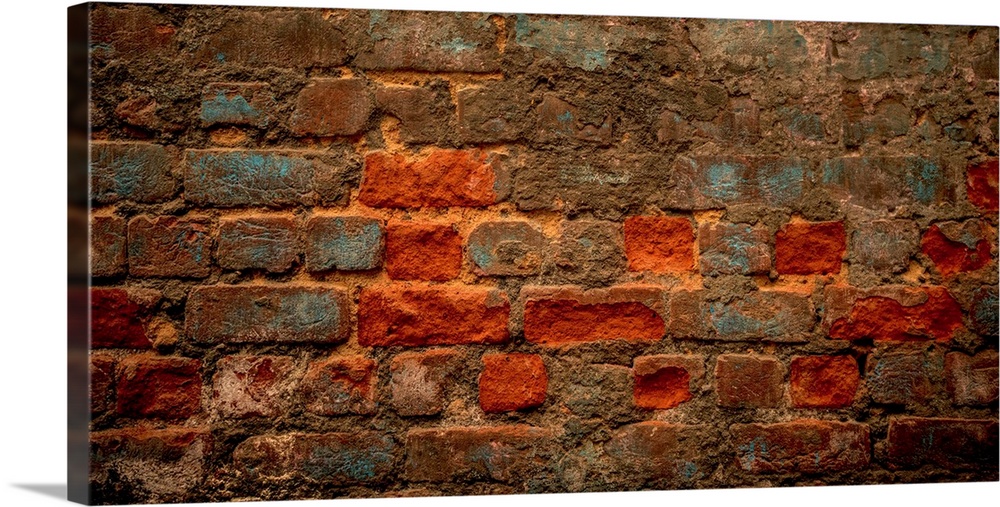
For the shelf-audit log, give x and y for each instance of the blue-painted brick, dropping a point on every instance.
(715, 182)
(344, 243)
(331, 458)
(734, 249)
(130, 171)
(265, 314)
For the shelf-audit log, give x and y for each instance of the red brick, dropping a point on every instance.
(802, 446)
(955, 444)
(262, 314)
(904, 378)
(422, 251)
(659, 244)
(252, 386)
(809, 248)
(158, 465)
(340, 385)
(444, 178)
(972, 380)
(423, 315)
(117, 320)
(658, 449)
(107, 246)
(267, 243)
(359, 457)
(155, 386)
(955, 248)
(419, 380)
(512, 382)
(666, 381)
(331, 107)
(824, 381)
(891, 313)
(170, 247)
(498, 453)
(102, 388)
(749, 381)
(981, 185)
(561, 316)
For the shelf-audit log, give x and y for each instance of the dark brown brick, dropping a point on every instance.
(802, 446)
(497, 453)
(107, 246)
(170, 247)
(749, 381)
(972, 380)
(340, 459)
(331, 107)
(299, 38)
(955, 444)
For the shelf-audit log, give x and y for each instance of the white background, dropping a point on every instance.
(32, 245)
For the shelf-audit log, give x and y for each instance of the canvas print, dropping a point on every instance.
(327, 253)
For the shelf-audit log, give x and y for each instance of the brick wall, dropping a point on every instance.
(353, 253)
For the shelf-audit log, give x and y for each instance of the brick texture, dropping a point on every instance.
(368, 253)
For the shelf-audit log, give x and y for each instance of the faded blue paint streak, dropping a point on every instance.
(491, 456)
(782, 186)
(302, 310)
(724, 181)
(249, 177)
(338, 462)
(194, 247)
(565, 117)
(749, 452)
(688, 469)
(220, 57)
(924, 180)
(833, 172)
(481, 255)
(352, 252)
(221, 109)
(578, 44)
(935, 58)
(728, 321)
(458, 45)
(986, 311)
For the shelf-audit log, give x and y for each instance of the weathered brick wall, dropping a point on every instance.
(353, 253)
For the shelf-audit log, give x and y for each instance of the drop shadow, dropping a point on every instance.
(52, 490)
